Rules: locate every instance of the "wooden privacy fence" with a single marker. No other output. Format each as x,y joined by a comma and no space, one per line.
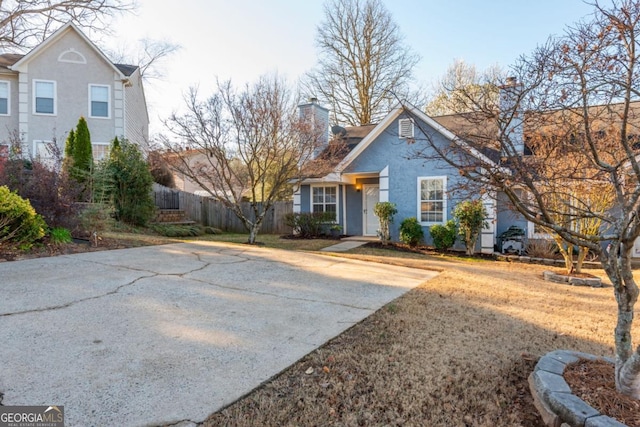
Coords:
210,212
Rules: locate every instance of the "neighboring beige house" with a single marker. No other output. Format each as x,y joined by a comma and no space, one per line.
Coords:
44,92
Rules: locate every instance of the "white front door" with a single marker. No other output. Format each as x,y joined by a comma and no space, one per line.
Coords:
370,222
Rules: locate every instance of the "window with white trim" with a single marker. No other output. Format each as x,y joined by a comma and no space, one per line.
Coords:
43,149
100,150
44,97
99,96
432,200
325,199
405,128
4,98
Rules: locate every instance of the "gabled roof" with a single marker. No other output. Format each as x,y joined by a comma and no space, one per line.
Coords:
415,112
69,26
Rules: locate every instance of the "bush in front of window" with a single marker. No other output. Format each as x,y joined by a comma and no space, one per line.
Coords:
308,224
411,231
471,216
444,236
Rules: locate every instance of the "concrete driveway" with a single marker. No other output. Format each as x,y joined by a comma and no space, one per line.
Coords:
162,334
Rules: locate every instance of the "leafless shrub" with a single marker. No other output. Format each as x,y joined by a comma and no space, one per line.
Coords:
540,248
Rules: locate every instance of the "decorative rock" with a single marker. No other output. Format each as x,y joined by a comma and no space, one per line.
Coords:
525,259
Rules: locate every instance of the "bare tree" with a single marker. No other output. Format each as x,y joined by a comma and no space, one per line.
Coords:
239,145
578,95
363,62
462,87
147,54
25,23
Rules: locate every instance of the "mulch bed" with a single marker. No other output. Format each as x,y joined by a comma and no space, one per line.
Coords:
593,382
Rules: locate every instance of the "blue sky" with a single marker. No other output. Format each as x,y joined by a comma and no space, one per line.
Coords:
243,39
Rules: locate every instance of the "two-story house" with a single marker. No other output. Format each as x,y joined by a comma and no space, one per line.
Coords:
44,92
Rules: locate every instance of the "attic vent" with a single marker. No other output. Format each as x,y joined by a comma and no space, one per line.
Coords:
405,128
72,56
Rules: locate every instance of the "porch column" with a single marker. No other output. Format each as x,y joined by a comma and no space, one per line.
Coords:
296,201
488,234
384,184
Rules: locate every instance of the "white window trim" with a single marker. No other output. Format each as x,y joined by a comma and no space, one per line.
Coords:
35,152
55,97
311,187
402,135
105,144
8,98
445,213
108,116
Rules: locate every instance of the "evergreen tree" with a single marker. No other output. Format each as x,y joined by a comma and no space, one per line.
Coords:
82,153
131,183
69,147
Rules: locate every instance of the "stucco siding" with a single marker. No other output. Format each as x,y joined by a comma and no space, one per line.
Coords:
72,80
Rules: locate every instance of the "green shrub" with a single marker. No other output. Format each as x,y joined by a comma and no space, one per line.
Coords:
60,235
174,230
96,217
212,230
411,231
385,212
471,216
444,236
308,224
130,183
19,222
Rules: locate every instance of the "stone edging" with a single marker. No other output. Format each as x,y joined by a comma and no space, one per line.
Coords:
552,395
594,282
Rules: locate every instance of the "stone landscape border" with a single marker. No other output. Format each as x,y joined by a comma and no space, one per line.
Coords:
553,398
594,282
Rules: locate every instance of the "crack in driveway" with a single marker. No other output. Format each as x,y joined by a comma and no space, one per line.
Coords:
71,303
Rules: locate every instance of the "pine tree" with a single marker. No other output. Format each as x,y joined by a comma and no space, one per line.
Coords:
69,147
82,154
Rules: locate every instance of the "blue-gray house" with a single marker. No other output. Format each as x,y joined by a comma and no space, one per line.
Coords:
380,165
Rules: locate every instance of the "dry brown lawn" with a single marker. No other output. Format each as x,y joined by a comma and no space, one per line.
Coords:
455,351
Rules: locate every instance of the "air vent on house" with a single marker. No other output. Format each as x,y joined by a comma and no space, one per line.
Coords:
405,128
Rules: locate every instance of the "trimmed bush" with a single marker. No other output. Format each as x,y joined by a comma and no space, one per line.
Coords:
19,222
308,224
173,230
385,212
411,231
471,216
444,236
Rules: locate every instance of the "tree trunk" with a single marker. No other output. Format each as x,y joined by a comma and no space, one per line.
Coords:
617,264
582,254
253,232
567,253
